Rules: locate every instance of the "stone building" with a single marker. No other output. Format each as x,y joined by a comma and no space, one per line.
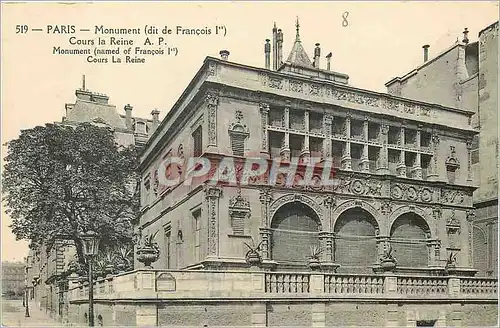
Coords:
46,263
402,180
466,76
13,274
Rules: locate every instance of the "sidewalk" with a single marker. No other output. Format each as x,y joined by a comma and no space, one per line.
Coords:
13,316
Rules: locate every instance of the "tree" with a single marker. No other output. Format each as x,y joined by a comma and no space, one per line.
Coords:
60,181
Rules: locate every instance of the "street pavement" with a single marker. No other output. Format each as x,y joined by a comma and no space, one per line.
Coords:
13,315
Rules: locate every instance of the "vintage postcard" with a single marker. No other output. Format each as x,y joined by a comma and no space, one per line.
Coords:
249,164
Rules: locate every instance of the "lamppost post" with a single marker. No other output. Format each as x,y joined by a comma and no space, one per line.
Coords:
26,301
90,245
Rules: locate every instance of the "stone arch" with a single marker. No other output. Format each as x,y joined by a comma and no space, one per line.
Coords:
410,235
290,198
295,228
355,244
347,205
480,249
405,209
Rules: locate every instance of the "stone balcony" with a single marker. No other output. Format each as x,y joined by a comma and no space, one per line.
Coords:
162,284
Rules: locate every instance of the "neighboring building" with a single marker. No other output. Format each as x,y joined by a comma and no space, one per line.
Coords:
47,263
404,180
466,76
13,278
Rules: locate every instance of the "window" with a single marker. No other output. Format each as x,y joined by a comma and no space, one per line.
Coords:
168,234
197,142
238,143
197,232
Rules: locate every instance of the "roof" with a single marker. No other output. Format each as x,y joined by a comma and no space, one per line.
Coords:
298,55
89,110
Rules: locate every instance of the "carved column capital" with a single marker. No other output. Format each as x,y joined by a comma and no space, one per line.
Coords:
212,98
212,191
264,107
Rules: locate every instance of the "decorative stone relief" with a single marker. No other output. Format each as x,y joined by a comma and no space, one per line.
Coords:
296,86
212,194
315,89
452,162
212,69
264,116
452,197
385,208
411,193
239,209
275,83
357,186
453,224
212,102
470,216
265,198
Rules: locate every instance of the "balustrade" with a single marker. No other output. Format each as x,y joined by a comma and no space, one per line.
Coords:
422,285
349,284
481,286
287,283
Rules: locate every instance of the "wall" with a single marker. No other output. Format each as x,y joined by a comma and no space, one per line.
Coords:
488,113
435,81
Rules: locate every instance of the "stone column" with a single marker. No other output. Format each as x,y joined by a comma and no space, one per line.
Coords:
365,162
326,244
212,195
469,161
285,148
434,170
417,168
327,144
346,156
470,216
264,119
212,101
265,199
401,168
305,152
383,165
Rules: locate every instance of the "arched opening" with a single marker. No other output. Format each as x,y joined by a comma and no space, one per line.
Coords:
355,242
480,250
295,227
409,234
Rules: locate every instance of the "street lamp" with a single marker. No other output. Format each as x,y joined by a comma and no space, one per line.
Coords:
90,242
26,302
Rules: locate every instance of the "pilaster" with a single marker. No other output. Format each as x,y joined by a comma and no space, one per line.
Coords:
264,122
212,100
383,167
212,195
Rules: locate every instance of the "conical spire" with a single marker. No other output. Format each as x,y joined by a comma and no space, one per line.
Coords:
298,55
297,27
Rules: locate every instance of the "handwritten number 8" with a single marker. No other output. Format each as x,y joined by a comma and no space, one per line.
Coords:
345,23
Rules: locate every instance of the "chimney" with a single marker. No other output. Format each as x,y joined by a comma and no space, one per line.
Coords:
279,51
128,116
426,52
275,47
156,120
328,59
466,36
224,54
267,54
317,54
